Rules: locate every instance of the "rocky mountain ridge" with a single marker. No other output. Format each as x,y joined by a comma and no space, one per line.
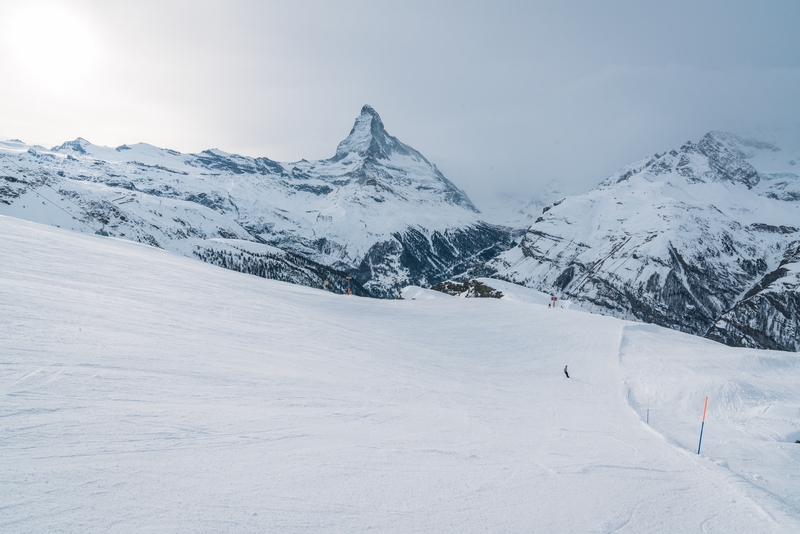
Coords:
767,315
377,210
681,239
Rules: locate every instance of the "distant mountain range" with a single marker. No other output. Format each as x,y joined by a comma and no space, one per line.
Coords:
704,238
377,211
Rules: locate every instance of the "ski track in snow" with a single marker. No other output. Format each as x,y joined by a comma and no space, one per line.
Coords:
147,391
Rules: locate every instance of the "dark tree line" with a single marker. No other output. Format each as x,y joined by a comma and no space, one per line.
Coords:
286,267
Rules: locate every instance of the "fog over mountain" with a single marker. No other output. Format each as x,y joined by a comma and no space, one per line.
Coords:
505,97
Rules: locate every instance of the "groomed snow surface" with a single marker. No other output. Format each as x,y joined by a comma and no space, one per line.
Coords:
145,391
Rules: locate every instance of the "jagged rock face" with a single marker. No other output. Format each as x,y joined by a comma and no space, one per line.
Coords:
717,157
769,314
369,139
377,210
423,258
676,239
469,289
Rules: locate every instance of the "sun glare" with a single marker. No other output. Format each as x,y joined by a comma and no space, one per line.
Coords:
52,44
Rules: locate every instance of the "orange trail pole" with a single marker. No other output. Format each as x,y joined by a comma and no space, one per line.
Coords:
702,424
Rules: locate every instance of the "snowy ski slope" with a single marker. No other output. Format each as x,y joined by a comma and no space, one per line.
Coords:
146,391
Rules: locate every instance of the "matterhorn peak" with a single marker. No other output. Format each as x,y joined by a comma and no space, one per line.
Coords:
366,109
369,138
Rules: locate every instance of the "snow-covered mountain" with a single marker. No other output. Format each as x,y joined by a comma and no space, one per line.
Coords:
377,209
702,239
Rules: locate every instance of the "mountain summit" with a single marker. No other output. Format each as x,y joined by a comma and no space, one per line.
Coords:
369,138
717,157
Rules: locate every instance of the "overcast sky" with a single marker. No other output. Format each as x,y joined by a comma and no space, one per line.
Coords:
502,96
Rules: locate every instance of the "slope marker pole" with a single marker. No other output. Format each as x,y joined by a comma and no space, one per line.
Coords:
648,411
702,424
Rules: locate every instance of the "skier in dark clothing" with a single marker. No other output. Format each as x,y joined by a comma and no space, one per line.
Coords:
565,371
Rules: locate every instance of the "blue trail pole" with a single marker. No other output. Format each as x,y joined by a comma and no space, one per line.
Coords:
702,425
701,436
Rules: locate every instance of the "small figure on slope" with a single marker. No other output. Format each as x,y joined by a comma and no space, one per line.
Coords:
565,371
